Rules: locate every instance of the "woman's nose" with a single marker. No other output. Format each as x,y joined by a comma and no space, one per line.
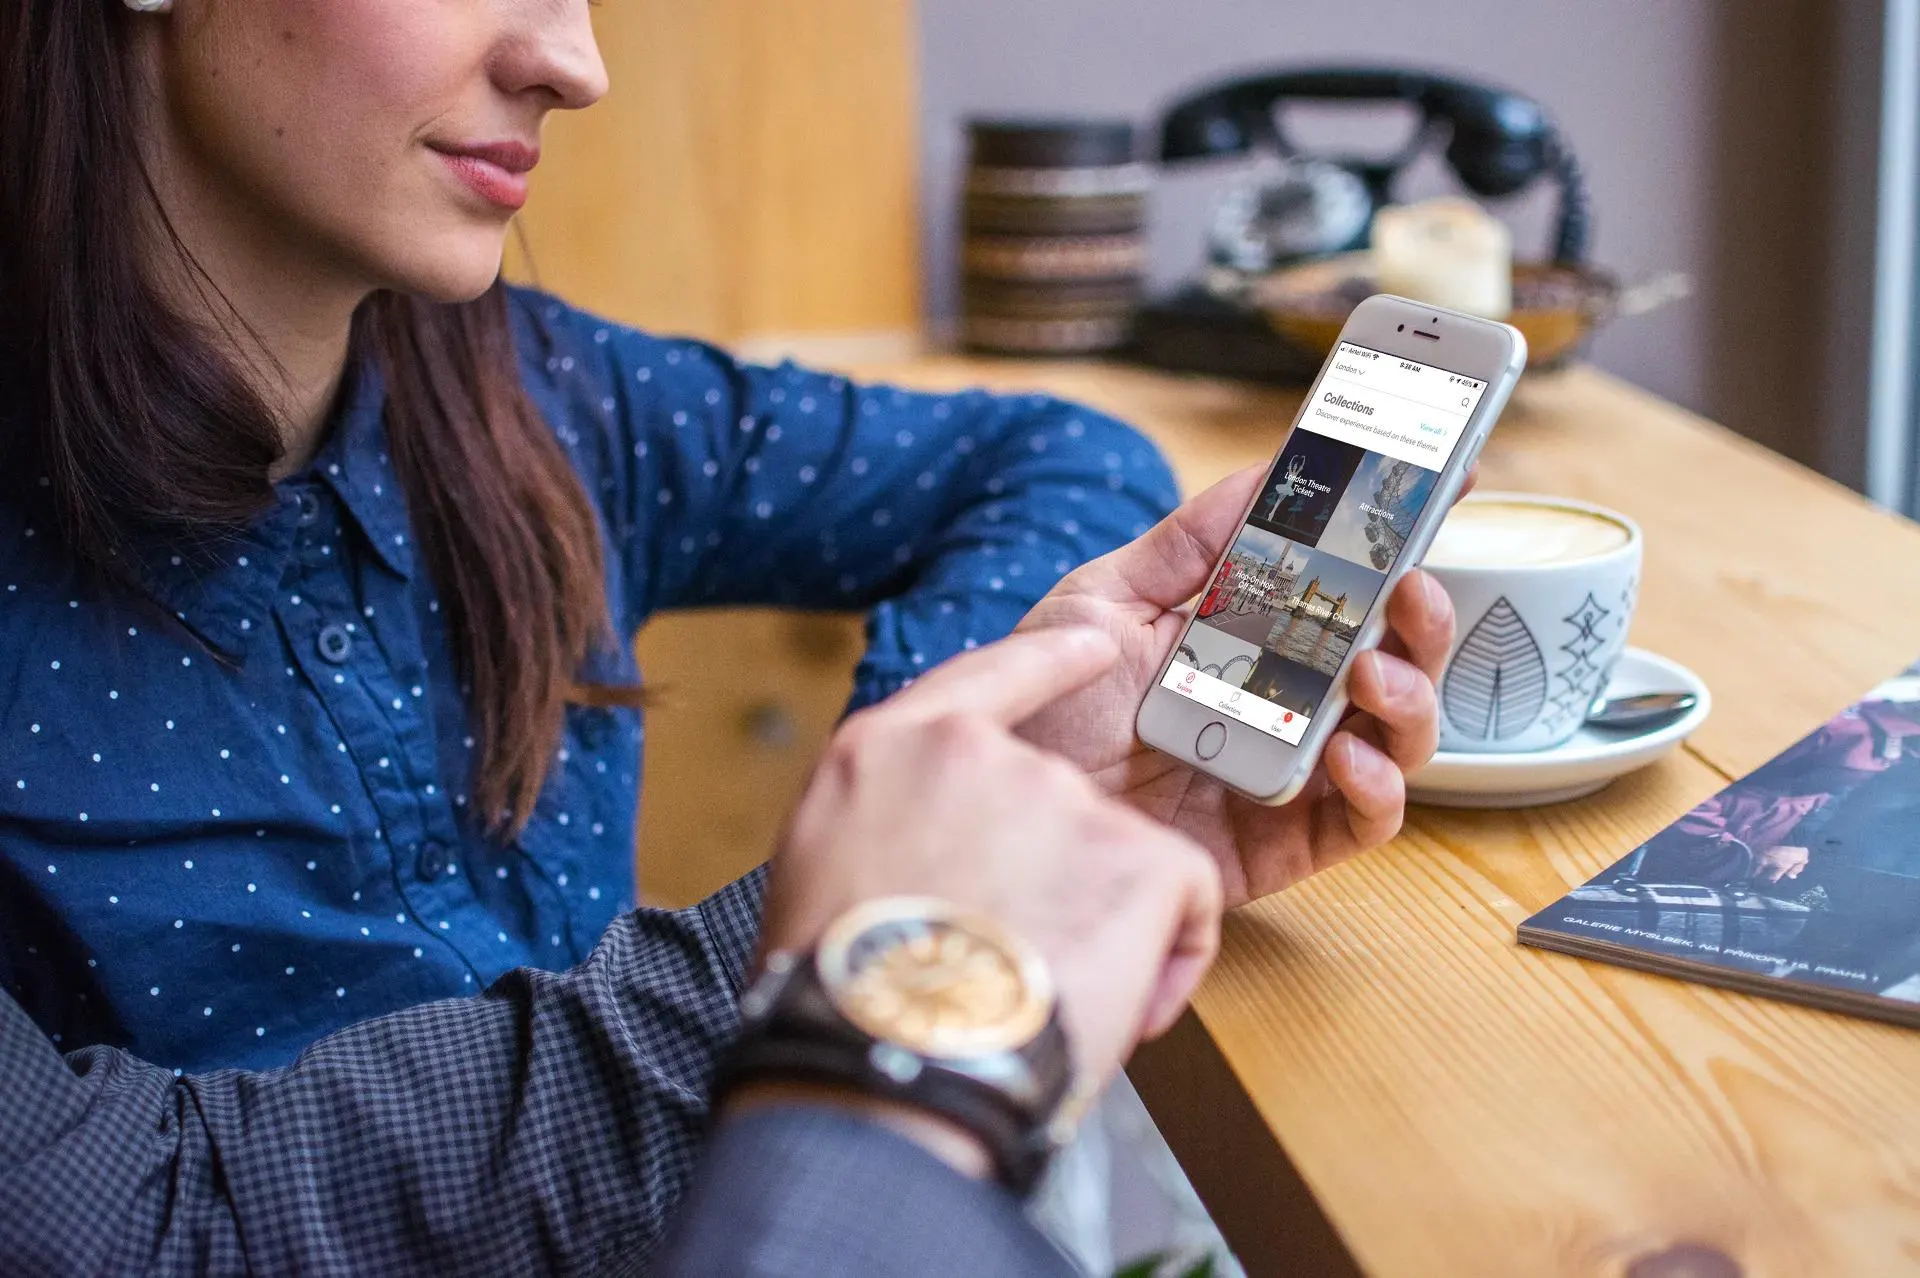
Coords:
554,49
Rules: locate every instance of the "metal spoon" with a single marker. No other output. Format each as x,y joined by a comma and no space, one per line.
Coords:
1641,711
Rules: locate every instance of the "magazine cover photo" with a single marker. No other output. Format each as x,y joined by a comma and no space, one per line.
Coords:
1806,872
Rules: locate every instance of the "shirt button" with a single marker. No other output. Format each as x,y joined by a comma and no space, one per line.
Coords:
432,863
309,507
334,643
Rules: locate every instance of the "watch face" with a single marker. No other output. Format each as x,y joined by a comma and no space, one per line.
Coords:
922,975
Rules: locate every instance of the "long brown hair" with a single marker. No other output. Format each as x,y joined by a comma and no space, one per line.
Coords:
141,426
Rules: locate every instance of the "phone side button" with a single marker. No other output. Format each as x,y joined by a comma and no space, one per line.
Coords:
1212,739
1473,458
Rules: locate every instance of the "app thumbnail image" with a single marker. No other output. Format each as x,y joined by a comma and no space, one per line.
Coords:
1288,684
1305,485
1257,573
1209,651
1375,516
1311,612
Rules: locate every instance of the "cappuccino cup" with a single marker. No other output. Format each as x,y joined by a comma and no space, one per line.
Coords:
1543,590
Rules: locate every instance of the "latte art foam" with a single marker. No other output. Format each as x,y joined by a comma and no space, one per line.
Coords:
1499,534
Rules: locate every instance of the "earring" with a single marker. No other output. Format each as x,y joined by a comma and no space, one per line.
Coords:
148,6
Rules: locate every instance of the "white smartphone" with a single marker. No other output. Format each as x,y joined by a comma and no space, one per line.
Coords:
1375,457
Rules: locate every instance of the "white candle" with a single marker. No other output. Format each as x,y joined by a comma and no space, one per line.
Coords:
1450,252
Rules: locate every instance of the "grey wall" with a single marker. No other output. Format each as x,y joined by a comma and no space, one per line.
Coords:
1705,127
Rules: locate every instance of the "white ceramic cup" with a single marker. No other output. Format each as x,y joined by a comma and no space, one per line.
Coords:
1543,590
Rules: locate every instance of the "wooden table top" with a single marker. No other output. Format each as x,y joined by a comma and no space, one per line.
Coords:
1377,1077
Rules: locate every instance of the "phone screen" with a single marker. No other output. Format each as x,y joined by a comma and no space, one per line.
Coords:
1277,621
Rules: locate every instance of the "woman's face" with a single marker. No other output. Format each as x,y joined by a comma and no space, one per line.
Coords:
379,143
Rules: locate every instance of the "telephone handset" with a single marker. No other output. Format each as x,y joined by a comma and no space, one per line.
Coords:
1497,142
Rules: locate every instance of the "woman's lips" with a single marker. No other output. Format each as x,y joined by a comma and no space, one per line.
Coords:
496,172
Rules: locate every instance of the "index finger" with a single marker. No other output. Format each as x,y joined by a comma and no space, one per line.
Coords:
1012,680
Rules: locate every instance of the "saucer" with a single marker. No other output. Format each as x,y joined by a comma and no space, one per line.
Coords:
1593,757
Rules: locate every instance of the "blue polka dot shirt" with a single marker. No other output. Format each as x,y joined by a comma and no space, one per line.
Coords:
236,821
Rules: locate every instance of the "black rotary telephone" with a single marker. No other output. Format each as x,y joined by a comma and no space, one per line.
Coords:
1497,142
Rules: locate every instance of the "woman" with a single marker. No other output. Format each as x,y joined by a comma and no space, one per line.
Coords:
342,767
322,549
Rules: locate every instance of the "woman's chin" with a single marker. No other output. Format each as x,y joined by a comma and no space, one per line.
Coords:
450,271
460,287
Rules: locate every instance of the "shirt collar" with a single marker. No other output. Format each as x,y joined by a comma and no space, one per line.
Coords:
223,589
355,464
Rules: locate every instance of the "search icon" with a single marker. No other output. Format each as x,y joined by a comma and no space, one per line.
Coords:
1465,402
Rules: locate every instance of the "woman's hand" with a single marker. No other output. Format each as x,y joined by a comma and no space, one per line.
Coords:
930,794
1357,794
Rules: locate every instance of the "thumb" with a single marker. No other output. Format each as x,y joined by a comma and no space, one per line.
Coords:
1168,565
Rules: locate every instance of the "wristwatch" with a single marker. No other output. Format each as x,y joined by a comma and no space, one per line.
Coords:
913,1000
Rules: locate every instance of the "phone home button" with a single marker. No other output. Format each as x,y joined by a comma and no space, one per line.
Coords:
1212,739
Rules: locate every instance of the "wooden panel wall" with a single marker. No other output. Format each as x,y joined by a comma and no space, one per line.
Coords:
751,172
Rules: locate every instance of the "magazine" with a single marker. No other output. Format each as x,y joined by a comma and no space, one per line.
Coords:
1800,881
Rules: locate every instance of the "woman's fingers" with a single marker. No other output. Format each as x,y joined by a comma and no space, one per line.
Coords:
1374,790
1395,685
1420,620
1399,698
1169,563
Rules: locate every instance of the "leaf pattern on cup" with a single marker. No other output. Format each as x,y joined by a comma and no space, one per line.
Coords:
1496,684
